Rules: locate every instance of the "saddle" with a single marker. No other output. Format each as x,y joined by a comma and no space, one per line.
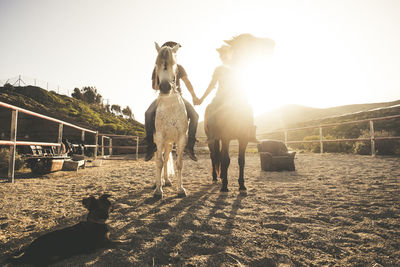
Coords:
232,119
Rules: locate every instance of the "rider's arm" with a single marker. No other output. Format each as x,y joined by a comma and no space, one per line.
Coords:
211,86
189,86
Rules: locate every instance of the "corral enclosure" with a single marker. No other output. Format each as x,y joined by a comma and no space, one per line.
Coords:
334,210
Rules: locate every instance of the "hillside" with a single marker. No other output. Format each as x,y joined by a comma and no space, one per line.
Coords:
292,116
296,117
67,109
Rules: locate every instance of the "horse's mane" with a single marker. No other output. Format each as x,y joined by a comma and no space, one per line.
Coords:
247,40
165,56
246,47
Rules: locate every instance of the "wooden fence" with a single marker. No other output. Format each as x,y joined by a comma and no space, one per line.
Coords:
321,140
13,142
116,136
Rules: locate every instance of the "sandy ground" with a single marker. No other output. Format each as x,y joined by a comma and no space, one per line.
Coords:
334,210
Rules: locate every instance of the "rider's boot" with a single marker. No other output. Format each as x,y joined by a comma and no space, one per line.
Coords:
151,148
189,149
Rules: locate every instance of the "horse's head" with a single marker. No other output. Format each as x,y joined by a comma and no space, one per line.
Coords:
166,68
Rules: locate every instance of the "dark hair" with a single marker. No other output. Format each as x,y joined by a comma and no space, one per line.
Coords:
171,44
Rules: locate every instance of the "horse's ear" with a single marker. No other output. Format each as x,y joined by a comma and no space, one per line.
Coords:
175,48
157,47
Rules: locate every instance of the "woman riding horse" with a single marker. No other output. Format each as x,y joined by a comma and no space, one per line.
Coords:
228,117
171,123
191,112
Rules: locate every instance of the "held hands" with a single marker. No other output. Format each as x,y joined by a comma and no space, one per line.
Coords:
196,101
201,100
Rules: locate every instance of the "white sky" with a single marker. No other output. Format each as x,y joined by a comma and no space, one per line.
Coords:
328,53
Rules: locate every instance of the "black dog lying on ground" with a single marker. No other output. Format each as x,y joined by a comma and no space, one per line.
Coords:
83,237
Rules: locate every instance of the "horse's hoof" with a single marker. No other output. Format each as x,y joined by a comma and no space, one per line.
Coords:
158,195
242,188
182,195
224,190
168,183
181,192
153,187
155,196
243,192
215,181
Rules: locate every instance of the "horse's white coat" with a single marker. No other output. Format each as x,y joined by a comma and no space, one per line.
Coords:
171,125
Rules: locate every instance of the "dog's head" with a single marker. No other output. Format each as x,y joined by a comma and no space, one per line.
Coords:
99,209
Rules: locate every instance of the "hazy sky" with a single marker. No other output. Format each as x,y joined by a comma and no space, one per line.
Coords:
328,53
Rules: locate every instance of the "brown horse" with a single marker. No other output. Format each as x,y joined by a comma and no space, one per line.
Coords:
222,123
229,117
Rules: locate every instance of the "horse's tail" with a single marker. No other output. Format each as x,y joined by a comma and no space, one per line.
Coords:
170,167
171,172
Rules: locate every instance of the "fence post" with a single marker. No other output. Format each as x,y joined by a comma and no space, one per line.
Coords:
96,144
137,147
321,143
371,131
102,145
60,134
13,135
110,148
83,142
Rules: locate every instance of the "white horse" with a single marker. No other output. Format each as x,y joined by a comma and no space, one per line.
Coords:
171,123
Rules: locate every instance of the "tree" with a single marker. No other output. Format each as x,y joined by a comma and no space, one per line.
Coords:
116,108
89,94
107,107
9,87
127,112
77,94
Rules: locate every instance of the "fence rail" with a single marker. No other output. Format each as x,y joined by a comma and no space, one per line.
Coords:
13,143
321,140
116,136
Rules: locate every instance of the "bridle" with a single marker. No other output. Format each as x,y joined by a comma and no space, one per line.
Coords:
173,83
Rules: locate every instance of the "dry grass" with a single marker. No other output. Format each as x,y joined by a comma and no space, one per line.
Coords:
335,210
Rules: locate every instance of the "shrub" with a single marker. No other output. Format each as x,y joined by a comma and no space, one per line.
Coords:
337,147
387,147
313,147
362,148
9,87
109,128
5,158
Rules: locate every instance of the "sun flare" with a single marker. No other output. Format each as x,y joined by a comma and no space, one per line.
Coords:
261,88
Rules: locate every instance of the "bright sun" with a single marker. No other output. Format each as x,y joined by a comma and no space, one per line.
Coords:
263,93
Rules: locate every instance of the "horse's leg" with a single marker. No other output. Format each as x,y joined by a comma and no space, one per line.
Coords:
225,161
241,159
215,159
179,165
158,192
217,147
167,164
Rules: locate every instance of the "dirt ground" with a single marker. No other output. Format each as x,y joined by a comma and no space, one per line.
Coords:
334,210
